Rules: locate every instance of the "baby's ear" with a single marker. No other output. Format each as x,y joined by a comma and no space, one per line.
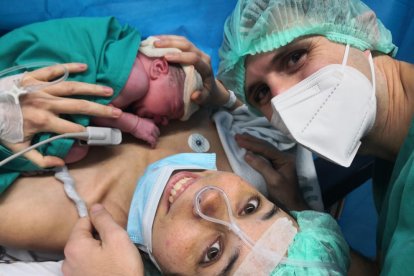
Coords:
159,66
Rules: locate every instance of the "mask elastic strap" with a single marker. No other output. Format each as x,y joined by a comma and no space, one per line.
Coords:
371,66
346,54
232,225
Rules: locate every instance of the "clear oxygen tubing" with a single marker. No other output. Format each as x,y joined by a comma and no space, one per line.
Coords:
32,88
65,135
100,136
232,225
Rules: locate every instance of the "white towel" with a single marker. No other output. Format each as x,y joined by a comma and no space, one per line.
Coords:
192,82
32,268
241,120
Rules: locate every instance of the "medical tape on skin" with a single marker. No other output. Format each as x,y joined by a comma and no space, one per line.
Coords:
269,250
11,117
69,186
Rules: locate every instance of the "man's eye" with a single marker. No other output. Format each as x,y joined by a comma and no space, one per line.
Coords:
296,59
261,95
212,253
251,206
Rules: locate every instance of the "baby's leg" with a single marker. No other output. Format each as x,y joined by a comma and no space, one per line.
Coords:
76,153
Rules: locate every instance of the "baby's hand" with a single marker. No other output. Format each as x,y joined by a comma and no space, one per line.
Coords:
146,130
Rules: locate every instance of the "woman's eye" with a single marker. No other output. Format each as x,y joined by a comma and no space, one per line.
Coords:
251,206
212,253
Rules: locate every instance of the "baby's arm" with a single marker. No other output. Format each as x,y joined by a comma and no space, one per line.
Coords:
141,128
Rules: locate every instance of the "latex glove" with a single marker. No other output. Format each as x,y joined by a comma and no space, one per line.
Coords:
277,168
213,93
112,254
41,109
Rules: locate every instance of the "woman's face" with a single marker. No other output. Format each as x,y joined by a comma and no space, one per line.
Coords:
272,73
186,244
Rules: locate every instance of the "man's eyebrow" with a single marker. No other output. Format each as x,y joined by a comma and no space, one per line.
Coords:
270,214
277,55
226,270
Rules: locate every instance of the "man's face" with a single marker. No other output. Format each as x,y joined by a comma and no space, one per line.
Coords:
272,73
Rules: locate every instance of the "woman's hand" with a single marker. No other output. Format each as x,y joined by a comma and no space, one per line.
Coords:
280,174
112,254
41,109
214,93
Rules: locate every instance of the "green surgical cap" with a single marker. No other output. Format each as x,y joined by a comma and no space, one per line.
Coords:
258,26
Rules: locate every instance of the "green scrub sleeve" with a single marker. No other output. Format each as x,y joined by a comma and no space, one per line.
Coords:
394,200
107,47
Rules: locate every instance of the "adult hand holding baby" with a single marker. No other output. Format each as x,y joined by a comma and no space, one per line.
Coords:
41,109
213,93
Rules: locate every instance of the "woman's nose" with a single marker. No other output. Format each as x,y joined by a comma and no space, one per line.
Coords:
213,205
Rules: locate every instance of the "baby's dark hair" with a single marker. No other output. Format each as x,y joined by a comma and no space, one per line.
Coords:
177,74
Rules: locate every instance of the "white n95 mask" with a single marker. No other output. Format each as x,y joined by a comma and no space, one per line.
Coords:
328,112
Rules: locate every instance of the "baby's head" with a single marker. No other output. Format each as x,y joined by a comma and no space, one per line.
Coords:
169,97
163,100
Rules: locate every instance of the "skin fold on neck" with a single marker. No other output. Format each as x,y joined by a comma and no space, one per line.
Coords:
395,107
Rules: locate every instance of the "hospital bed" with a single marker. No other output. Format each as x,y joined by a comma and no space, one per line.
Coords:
201,21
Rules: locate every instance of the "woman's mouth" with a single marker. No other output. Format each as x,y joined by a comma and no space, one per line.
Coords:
178,184
178,188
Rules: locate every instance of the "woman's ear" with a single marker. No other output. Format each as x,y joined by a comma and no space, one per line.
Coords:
159,67
367,52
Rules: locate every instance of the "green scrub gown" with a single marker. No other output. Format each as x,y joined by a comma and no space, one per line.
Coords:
394,196
108,48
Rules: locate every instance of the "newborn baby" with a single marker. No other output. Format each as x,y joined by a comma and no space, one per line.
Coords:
149,90
156,92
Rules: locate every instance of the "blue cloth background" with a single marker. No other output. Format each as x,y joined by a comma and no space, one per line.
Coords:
200,20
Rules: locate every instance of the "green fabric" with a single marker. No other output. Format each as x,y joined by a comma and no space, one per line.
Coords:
258,26
108,48
395,239
318,241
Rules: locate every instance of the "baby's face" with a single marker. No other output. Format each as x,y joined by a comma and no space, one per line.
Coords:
163,101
